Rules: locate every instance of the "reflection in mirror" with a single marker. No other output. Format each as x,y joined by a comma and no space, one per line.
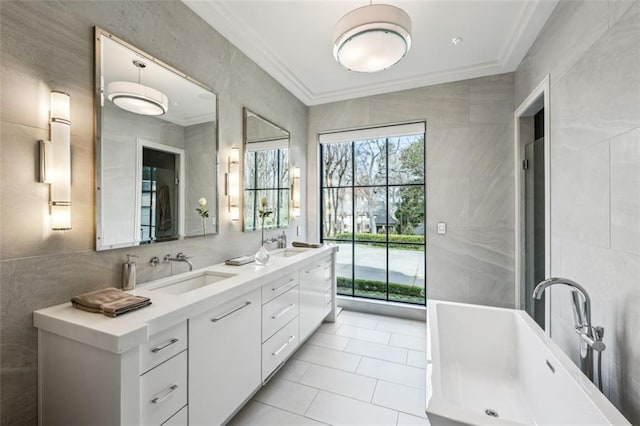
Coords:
266,173
156,148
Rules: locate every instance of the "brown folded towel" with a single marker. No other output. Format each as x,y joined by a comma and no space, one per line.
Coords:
305,244
109,301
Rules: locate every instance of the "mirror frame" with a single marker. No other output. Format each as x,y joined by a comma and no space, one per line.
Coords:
98,96
245,112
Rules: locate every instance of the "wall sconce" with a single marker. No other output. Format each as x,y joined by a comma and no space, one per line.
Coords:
232,183
295,191
55,161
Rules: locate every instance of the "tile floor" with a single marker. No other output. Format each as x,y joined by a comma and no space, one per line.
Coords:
364,369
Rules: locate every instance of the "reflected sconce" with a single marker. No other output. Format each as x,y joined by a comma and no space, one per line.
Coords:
55,161
232,183
295,191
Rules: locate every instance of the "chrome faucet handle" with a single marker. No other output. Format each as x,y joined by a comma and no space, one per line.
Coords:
155,261
182,256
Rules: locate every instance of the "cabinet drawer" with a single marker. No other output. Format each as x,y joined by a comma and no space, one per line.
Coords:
278,348
162,346
328,301
278,286
179,419
163,390
279,311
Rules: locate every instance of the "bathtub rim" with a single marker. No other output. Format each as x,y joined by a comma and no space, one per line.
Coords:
438,406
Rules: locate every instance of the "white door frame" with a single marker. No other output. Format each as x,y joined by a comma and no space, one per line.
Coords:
537,99
140,145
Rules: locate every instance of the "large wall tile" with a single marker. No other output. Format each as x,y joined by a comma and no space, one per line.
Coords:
573,27
491,201
599,97
617,9
491,99
448,201
580,195
625,192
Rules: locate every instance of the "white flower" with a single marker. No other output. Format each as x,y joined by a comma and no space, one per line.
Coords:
202,201
263,201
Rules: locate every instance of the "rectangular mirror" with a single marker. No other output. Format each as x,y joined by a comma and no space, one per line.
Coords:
266,173
156,149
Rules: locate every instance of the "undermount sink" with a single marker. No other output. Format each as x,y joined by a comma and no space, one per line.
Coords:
191,282
288,252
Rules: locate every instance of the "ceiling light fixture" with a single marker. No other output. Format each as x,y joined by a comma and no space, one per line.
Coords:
136,97
372,38
455,41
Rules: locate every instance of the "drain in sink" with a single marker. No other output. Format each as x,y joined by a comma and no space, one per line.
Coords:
490,412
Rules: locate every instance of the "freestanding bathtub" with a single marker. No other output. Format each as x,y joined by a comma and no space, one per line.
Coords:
494,366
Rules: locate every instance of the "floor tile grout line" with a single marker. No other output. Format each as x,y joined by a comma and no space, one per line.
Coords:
374,391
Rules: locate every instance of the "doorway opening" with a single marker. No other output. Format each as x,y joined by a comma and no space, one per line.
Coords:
532,172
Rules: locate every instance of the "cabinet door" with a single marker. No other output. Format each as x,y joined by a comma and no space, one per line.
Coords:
313,279
224,359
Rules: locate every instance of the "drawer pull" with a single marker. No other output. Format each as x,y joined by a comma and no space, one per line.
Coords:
168,393
283,285
281,348
165,346
313,269
284,311
231,312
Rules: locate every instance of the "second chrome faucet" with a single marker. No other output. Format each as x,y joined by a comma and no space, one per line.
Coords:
180,257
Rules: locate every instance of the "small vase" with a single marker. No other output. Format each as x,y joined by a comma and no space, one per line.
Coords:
262,256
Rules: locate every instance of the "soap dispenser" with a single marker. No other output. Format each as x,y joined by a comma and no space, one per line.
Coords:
129,273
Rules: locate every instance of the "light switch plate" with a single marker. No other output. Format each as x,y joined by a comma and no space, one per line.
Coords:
298,230
442,228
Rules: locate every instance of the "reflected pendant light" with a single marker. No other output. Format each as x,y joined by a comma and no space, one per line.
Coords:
372,38
136,97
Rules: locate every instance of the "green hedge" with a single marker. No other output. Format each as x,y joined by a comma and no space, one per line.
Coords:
381,287
393,238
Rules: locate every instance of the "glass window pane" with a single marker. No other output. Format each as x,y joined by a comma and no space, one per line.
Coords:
249,210
250,170
406,274
267,169
283,209
337,216
407,208
370,160
269,219
371,213
337,165
284,168
344,268
406,160
370,270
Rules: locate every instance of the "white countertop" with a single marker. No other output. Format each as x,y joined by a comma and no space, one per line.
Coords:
134,328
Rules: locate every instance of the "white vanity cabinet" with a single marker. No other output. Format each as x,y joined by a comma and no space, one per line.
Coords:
224,359
80,384
193,358
316,285
280,326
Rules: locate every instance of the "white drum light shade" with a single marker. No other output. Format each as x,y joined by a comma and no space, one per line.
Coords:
372,38
137,98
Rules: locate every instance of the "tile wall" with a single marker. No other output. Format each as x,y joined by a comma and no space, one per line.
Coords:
49,45
470,183
591,50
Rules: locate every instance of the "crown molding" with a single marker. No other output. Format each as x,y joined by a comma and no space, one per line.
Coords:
523,32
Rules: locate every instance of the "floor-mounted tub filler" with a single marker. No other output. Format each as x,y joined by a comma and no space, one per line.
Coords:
496,366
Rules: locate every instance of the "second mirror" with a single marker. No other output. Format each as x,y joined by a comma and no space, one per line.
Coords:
266,174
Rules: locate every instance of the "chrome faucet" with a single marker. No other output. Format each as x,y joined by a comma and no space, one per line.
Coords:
282,240
590,336
180,257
